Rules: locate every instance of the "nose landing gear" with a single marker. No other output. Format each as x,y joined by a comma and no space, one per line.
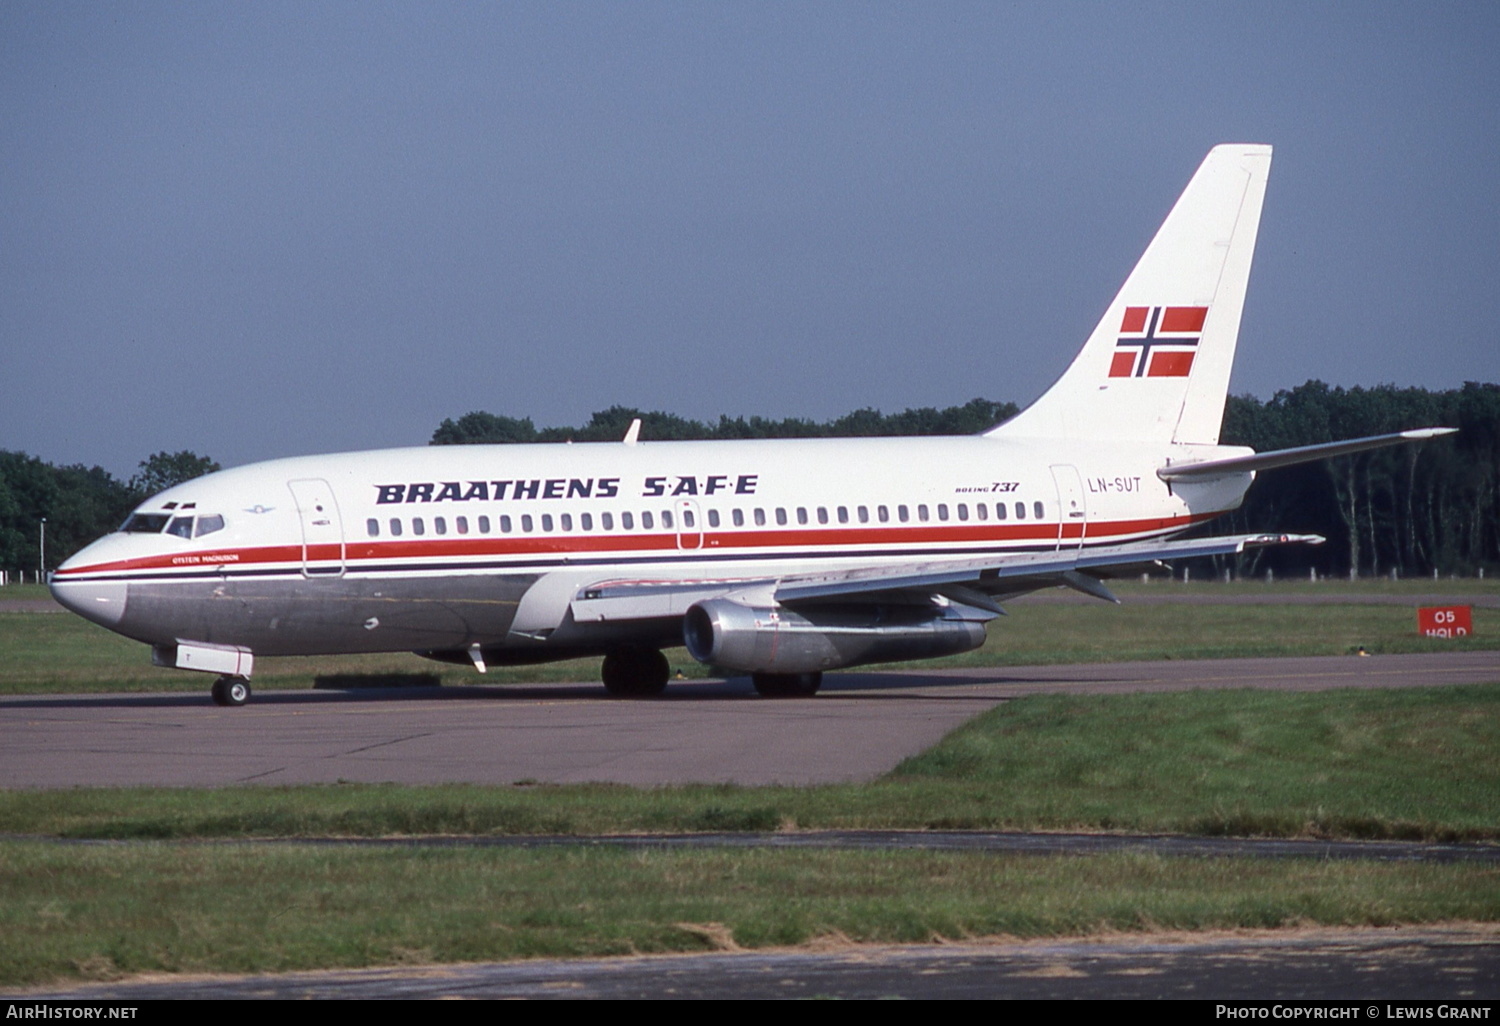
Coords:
231,691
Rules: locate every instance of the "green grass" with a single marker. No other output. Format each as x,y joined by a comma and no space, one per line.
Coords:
101,912
58,653
48,653
1414,763
1301,585
1410,762
1399,763
1097,632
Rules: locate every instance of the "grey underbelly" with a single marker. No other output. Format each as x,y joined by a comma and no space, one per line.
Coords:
321,616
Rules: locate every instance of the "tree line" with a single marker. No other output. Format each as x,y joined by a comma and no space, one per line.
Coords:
610,425
1410,509
79,503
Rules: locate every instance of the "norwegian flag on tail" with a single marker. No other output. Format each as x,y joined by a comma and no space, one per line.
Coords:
1157,341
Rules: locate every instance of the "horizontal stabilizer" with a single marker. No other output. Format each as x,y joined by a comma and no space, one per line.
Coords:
1301,454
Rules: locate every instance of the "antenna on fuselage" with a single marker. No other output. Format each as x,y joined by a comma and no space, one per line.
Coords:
633,433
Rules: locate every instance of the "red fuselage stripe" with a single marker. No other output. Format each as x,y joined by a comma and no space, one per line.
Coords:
838,540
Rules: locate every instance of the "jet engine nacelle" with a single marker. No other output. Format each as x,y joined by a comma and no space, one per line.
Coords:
777,639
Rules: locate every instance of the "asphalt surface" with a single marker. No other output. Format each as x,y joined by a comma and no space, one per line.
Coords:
993,842
1366,968
858,727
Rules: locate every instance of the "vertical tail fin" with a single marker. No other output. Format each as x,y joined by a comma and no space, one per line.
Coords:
1157,366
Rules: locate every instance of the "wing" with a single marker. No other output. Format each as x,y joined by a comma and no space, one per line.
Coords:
980,582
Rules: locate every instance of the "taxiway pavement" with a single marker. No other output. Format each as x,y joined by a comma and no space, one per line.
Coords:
858,727
1361,967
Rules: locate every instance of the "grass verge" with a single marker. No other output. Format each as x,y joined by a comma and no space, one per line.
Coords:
1418,763
54,653
102,912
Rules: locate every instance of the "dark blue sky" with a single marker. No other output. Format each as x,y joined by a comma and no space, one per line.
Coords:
256,230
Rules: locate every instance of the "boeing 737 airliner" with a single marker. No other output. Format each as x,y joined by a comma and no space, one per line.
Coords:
780,559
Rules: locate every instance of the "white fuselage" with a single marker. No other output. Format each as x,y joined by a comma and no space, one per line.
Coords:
443,548
780,558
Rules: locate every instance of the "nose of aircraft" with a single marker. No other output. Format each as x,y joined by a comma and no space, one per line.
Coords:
100,601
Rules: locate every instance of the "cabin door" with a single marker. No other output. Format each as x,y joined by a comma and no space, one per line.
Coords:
1072,519
322,530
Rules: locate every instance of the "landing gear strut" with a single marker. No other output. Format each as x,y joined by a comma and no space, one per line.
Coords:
231,691
635,672
787,685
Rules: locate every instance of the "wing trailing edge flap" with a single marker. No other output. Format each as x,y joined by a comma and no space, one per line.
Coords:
976,583
1015,575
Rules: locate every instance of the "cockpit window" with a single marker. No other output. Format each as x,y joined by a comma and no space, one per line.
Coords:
182,527
144,523
208,525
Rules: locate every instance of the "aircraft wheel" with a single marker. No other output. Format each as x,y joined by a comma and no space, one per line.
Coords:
787,685
231,691
635,672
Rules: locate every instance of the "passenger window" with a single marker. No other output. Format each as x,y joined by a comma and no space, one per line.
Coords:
979,508
902,514
395,527
607,520
713,518
586,520
627,521
760,517
505,524
462,524
484,525
182,527
666,518
417,526
372,528
863,513
647,523
211,523
1039,510
822,514
687,518
566,521
999,511
1020,511
942,511
440,525
781,516
526,525
883,514
922,511
547,523
802,514
739,517
963,511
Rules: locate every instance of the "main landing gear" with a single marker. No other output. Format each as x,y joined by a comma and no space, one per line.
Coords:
232,691
787,685
635,672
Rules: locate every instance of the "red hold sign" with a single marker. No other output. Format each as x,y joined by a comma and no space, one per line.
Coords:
1445,621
